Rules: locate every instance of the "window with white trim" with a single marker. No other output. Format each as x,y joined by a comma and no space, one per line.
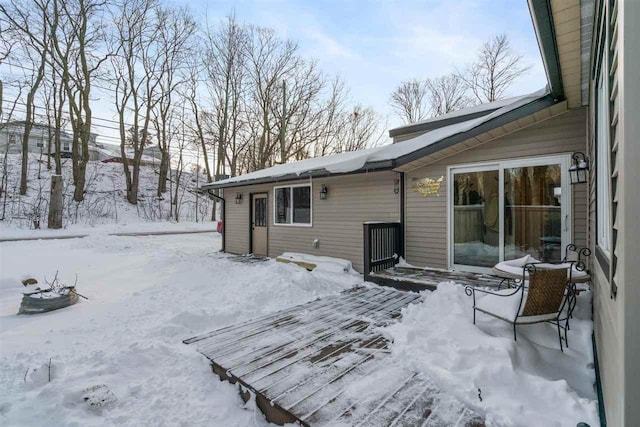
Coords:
292,205
603,197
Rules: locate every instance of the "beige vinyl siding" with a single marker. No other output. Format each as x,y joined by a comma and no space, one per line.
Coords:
616,318
426,217
337,222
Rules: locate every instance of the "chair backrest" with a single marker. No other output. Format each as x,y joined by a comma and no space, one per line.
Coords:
574,253
546,292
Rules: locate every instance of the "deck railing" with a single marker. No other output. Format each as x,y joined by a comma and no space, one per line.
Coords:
382,246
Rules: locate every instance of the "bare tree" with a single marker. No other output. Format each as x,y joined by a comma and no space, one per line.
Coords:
54,106
446,94
410,100
137,88
361,130
269,60
199,128
176,28
5,118
496,68
27,20
226,62
78,32
299,111
334,114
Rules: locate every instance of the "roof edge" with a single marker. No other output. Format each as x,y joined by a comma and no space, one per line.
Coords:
542,18
369,167
374,166
436,124
508,117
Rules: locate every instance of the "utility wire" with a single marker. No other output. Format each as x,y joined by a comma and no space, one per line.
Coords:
109,137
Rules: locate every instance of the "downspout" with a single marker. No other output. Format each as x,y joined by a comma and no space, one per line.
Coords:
222,214
402,213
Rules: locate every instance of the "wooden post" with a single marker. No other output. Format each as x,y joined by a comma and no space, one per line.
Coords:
55,202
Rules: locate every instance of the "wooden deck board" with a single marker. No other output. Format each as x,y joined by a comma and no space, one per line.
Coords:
325,363
419,279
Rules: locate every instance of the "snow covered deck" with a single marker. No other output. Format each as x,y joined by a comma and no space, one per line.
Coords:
325,363
419,279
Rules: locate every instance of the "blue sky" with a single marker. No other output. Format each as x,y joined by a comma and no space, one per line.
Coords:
374,45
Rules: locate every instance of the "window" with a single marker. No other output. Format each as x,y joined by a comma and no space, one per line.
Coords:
13,138
603,199
65,147
292,205
40,143
260,212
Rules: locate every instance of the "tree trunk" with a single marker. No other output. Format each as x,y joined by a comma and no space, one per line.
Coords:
55,203
78,194
164,170
177,189
132,193
25,152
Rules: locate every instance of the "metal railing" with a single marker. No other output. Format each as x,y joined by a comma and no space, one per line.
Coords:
383,246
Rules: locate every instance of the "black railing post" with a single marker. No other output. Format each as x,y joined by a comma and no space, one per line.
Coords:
367,251
382,246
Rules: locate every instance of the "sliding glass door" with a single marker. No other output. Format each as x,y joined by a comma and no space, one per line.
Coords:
507,210
476,216
532,212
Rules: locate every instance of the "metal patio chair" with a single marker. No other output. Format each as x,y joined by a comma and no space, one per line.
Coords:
541,296
578,256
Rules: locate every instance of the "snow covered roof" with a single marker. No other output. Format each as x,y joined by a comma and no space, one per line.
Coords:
391,156
452,117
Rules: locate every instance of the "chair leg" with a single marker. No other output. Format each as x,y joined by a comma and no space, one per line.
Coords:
559,336
474,315
515,337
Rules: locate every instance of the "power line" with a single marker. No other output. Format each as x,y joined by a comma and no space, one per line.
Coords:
117,139
93,84
10,64
67,117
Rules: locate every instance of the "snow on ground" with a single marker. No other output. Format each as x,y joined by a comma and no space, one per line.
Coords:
8,231
146,294
524,383
322,263
105,197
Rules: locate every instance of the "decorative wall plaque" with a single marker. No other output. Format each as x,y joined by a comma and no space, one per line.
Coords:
427,186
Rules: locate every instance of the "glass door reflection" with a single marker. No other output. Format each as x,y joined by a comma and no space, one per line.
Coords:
476,218
532,212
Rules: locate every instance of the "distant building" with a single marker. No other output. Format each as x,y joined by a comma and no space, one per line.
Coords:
12,132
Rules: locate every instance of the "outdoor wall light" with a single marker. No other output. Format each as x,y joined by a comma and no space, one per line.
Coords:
324,191
238,198
578,171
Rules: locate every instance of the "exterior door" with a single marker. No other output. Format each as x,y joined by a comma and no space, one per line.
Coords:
259,224
507,210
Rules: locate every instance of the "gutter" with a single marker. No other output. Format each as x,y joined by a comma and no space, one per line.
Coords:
369,167
542,18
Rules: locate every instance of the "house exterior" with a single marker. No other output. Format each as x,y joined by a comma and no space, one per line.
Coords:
11,135
478,186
